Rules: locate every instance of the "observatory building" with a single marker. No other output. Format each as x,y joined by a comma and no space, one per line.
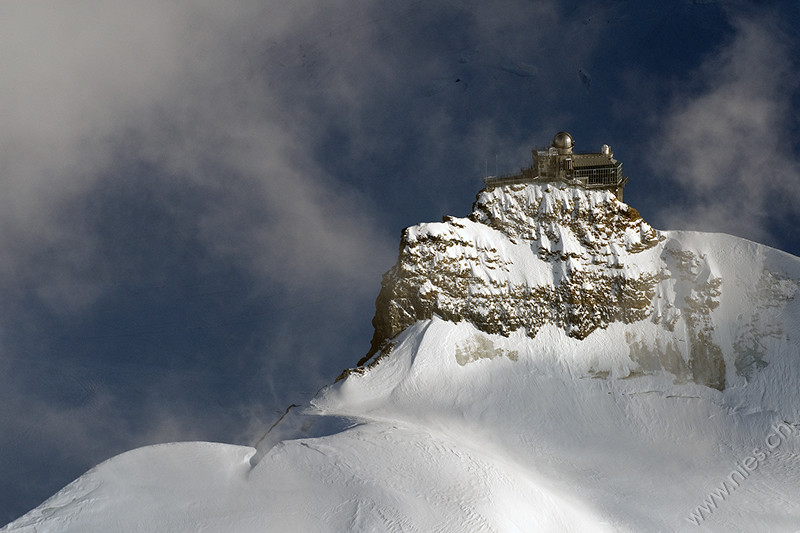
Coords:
558,163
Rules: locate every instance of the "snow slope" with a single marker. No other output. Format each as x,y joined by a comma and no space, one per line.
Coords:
453,428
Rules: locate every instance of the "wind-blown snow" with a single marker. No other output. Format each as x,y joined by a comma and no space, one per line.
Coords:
457,429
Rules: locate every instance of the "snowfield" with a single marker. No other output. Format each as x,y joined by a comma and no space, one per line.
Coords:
460,430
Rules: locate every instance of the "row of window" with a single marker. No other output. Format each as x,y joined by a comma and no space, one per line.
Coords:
599,176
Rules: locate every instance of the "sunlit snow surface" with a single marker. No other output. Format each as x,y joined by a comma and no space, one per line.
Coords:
458,430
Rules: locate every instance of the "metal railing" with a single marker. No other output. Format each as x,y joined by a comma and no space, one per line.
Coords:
523,176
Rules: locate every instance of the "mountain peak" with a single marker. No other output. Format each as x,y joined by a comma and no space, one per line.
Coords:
534,255
527,255
562,221
550,359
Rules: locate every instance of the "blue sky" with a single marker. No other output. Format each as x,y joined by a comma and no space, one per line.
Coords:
199,200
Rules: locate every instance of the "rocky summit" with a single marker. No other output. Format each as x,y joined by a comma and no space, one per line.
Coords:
535,254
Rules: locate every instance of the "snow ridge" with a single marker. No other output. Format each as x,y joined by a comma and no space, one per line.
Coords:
549,363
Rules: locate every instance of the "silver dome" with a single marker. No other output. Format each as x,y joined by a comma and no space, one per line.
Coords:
564,142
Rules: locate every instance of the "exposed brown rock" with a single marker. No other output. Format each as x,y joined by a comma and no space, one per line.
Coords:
442,273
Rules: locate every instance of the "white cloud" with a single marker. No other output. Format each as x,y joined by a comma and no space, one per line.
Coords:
726,138
95,94
90,85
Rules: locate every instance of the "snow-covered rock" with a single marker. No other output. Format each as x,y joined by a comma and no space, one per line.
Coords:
535,255
549,363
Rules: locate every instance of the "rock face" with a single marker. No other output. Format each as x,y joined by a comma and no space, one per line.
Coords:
527,255
545,254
